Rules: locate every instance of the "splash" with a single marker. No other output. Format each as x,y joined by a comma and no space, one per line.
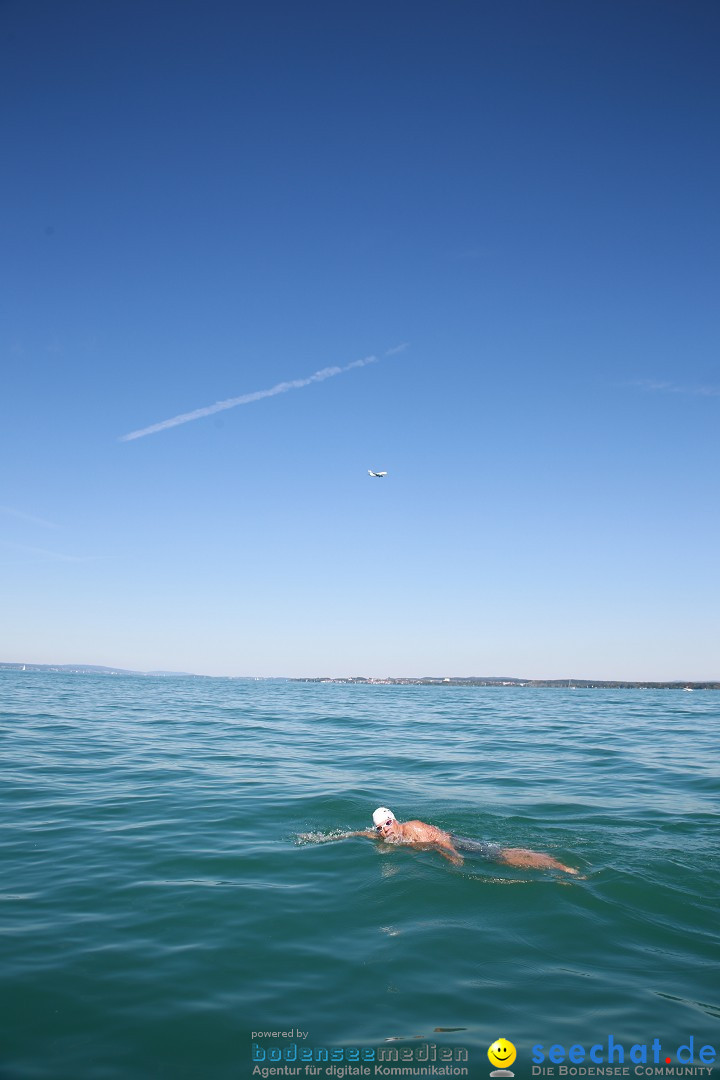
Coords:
322,837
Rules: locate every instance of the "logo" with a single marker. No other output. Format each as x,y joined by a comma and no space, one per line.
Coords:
501,1054
642,1059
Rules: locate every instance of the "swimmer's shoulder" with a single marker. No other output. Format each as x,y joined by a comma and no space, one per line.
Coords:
422,831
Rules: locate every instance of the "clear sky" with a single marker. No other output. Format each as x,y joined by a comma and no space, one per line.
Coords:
511,207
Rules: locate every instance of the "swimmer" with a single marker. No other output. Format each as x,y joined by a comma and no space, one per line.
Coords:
417,833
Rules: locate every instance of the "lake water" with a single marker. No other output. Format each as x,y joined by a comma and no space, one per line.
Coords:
158,904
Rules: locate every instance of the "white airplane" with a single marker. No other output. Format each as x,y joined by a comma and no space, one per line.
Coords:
378,474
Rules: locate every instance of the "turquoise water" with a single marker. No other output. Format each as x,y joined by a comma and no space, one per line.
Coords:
158,903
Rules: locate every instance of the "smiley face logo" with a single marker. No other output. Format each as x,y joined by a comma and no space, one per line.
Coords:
502,1053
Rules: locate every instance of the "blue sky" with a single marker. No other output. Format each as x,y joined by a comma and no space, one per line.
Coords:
511,207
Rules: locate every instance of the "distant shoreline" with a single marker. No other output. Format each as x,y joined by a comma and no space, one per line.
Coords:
361,680
550,684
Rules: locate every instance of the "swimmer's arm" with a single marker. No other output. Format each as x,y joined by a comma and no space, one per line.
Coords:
449,852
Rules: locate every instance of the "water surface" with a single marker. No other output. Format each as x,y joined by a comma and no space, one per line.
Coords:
157,904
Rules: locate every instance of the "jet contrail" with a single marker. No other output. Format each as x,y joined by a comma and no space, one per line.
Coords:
245,399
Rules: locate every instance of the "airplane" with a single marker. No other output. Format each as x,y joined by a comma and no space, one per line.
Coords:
378,474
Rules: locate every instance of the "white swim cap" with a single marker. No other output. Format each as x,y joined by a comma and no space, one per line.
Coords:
382,814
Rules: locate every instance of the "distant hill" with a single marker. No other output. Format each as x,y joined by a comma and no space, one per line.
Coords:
94,669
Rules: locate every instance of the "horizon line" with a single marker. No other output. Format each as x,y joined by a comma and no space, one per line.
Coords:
506,680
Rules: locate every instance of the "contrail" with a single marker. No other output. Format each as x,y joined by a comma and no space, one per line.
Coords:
245,399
